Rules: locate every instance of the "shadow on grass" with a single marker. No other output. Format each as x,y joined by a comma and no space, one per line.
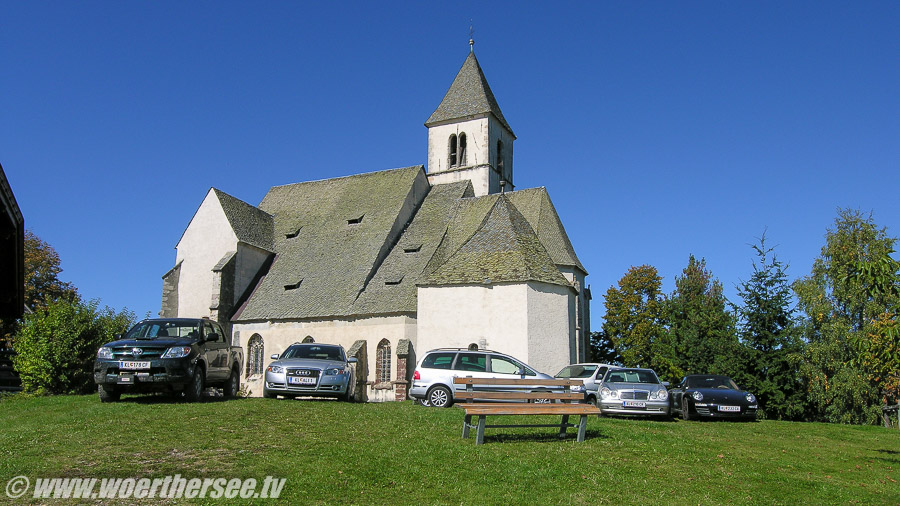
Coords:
170,398
540,437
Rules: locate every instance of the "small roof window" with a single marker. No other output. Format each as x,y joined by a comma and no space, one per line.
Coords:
355,221
293,286
291,235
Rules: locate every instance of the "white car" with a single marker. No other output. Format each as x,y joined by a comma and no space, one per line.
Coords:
590,373
433,377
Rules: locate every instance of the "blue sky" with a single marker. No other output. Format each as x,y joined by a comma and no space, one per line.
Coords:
660,129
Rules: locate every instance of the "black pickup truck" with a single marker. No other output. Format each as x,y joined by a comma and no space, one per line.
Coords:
182,356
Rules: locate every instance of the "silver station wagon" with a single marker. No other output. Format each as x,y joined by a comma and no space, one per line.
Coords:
633,391
310,369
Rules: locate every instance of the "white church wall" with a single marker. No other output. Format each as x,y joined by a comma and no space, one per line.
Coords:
277,336
205,241
249,260
551,329
492,316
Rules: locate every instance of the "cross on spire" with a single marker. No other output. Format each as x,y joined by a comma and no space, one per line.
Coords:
471,37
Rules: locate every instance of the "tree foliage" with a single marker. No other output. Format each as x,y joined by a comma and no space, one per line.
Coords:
768,335
843,306
56,345
42,268
634,322
701,327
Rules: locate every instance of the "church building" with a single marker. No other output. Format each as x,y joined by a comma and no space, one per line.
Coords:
393,263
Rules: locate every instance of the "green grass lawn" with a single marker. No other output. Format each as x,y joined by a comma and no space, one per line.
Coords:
401,453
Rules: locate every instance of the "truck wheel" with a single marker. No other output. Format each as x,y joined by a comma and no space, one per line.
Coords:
194,390
108,394
233,385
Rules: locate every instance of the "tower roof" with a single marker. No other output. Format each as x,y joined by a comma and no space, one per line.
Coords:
469,95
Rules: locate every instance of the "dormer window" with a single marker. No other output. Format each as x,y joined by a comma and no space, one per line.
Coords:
355,221
293,286
412,249
393,281
291,235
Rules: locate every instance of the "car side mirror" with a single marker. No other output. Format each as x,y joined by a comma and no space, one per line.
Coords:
274,356
212,337
119,336
352,360
521,371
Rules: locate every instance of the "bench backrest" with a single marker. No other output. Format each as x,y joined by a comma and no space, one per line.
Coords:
520,389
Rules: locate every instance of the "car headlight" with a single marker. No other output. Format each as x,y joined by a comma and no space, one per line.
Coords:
177,352
335,371
104,353
608,393
660,394
277,369
751,398
697,396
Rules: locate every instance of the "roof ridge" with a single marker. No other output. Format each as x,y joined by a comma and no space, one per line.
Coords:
349,176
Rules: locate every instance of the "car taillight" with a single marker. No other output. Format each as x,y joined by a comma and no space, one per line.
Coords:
416,375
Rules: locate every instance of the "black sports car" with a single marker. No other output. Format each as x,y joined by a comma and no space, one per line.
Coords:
711,395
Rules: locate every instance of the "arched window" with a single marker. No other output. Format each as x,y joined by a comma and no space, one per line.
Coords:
462,149
383,362
500,158
453,159
309,339
473,347
255,355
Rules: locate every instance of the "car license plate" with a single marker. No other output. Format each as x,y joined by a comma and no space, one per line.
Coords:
293,380
134,365
634,404
730,409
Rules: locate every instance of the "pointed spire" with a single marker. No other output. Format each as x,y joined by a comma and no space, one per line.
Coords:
469,95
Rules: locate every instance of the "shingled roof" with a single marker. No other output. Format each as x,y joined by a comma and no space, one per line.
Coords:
503,248
330,235
250,224
469,95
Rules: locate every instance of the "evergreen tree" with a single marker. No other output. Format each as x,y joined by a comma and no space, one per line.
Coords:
701,328
768,334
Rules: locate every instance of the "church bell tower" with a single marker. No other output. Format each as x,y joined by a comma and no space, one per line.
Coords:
468,137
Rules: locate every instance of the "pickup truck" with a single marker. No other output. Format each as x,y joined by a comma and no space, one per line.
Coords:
182,356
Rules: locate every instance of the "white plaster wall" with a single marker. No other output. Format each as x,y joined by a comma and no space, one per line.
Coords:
457,316
248,262
277,336
480,177
532,322
205,241
477,146
551,327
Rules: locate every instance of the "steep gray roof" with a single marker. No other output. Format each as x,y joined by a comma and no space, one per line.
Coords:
393,288
502,248
329,237
250,224
469,95
535,205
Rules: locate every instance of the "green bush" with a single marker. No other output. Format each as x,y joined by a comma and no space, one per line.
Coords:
55,346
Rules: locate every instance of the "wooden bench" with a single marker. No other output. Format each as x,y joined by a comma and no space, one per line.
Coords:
522,390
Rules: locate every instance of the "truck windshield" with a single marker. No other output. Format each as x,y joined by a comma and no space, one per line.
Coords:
163,329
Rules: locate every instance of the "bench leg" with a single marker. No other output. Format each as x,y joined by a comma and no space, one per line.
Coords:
563,426
582,427
466,422
479,434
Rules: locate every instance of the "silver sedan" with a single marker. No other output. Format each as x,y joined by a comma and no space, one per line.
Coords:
633,391
310,369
